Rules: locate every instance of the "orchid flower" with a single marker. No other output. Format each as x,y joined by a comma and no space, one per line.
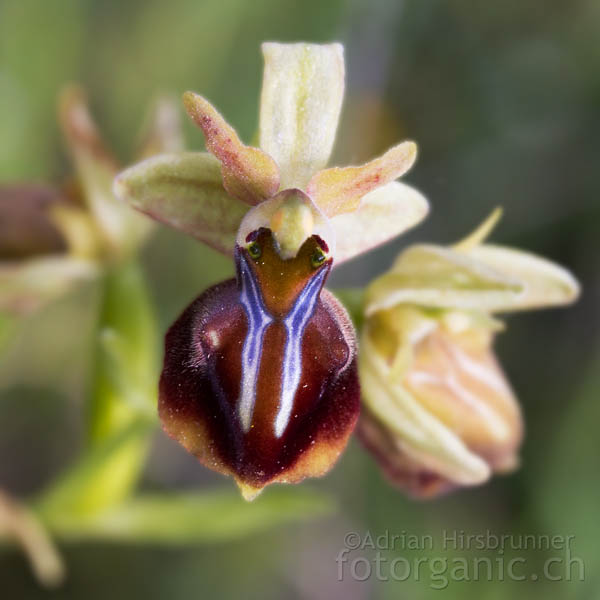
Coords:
52,236
260,379
438,412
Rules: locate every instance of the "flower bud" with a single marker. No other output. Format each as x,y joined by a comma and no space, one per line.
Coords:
440,413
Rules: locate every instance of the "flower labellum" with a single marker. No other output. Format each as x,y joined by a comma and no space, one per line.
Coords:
269,389
259,380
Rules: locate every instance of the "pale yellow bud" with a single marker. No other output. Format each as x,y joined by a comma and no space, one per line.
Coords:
439,412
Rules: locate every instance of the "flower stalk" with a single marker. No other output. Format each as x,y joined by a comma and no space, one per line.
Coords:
124,381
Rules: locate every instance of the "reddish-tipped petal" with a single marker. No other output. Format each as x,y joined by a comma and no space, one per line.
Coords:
259,379
340,189
398,467
249,174
81,134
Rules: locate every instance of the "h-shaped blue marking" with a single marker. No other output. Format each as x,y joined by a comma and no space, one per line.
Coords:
259,319
295,324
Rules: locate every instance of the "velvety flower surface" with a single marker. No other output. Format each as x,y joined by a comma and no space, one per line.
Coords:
270,389
438,412
259,380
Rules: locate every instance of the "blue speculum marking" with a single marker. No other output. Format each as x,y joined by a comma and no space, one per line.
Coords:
295,323
259,319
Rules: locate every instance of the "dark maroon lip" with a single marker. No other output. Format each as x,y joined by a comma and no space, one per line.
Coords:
207,357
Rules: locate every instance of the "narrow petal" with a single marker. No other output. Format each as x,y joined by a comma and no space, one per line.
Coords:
382,215
184,191
544,283
96,169
162,131
302,93
434,276
248,173
340,189
80,131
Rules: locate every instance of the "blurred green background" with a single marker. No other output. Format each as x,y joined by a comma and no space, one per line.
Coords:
503,99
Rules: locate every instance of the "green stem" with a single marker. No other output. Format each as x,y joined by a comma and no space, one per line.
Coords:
124,381
123,400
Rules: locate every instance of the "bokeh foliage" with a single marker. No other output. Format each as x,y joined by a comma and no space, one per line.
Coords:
503,100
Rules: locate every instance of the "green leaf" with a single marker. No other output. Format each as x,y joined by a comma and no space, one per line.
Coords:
85,488
193,517
125,383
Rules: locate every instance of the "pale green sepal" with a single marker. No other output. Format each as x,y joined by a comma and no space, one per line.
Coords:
185,191
302,92
26,286
436,277
382,215
544,282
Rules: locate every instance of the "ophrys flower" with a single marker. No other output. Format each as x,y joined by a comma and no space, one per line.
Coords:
259,379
